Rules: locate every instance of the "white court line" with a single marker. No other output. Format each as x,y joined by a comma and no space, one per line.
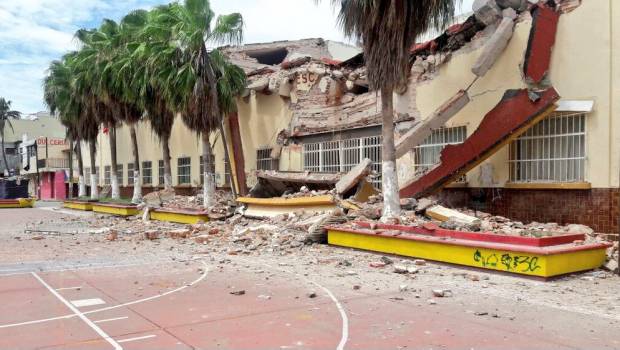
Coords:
87,302
66,288
137,338
204,274
112,319
72,268
77,312
343,314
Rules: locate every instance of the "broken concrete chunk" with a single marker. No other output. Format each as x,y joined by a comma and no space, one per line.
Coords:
445,214
238,292
509,13
494,47
442,293
486,11
421,131
517,5
259,85
612,265
354,176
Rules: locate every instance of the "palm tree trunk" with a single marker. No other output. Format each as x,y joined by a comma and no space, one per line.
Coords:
165,144
70,168
94,191
137,180
208,186
6,163
81,182
233,187
116,193
389,181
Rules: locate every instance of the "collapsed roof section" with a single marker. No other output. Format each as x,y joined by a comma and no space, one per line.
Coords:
326,82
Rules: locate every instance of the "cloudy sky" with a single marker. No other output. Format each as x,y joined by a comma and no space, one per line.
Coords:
34,32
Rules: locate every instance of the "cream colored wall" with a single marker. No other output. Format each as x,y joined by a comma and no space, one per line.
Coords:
580,70
183,143
261,118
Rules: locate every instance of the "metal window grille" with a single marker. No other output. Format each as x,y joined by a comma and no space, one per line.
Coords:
147,173
553,150
184,173
264,160
226,173
202,167
119,174
341,156
130,174
87,176
427,154
106,175
160,172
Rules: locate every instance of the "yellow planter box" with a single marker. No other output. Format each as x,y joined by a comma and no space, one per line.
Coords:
270,207
182,216
115,209
482,252
78,205
17,203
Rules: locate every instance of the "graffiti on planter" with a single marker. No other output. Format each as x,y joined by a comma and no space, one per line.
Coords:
507,261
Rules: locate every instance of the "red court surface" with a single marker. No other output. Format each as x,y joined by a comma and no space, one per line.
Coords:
189,306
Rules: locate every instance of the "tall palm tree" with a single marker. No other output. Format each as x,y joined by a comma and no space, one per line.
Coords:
191,85
93,80
57,95
387,29
119,76
6,114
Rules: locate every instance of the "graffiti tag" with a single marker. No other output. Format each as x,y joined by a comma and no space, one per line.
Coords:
508,262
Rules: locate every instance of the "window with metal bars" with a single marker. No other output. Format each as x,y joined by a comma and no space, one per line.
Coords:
106,175
202,167
147,173
342,155
130,174
264,160
184,170
553,150
427,154
119,174
160,172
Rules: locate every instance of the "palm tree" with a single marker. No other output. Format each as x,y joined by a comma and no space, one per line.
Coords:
6,114
93,79
189,80
119,81
387,29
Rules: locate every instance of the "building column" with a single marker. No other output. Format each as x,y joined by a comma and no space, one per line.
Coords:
237,151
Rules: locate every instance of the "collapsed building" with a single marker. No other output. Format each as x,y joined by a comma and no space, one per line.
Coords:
510,111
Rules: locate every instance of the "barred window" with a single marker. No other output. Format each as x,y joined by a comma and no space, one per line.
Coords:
553,150
119,174
106,175
202,167
147,173
264,160
226,173
87,176
184,173
341,156
160,172
130,174
427,154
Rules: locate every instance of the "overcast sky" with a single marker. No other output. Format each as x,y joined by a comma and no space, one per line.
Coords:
35,32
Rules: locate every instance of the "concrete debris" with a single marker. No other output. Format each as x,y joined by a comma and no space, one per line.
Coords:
487,11
238,292
422,130
442,293
494,46
353,177
440,213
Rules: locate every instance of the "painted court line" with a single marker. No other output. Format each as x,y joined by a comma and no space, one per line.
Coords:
77,312
343,314
112,319
67,288
87,302
136,338
203,276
